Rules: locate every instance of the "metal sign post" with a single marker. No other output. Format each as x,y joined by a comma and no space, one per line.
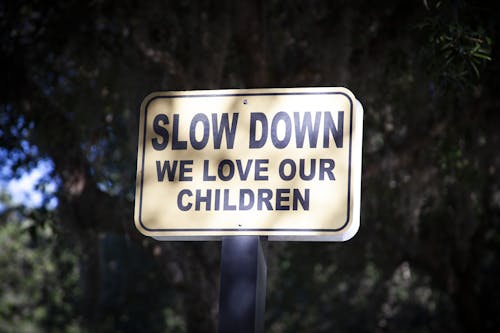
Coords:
242,285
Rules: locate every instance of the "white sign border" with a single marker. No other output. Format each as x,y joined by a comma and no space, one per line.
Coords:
351,225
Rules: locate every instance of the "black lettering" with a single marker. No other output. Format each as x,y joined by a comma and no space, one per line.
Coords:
176,144
227,205
207,199
254,118
184,168
293,169
217,199
300,130
277,142
282,197
222,167
245,192
260,167
224,127
326,167
312,169
206,176
297,197
170,169
243,173
180,204
203,120
264,197
337,132
161,131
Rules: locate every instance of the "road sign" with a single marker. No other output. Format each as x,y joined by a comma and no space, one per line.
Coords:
282,163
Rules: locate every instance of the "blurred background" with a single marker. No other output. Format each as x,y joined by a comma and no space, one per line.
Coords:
73,75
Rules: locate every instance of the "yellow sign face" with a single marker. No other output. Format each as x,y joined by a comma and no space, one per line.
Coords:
282,163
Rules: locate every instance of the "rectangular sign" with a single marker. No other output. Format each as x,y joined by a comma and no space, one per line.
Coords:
283,163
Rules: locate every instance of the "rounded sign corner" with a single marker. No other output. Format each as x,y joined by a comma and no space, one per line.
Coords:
350,232
149,98
346,91
139,227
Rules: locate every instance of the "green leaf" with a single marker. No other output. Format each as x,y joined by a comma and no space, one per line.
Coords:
482,56
475,69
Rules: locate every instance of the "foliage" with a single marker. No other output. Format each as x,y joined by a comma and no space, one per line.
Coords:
38,279
457,51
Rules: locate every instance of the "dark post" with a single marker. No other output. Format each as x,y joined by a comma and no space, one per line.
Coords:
242,285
